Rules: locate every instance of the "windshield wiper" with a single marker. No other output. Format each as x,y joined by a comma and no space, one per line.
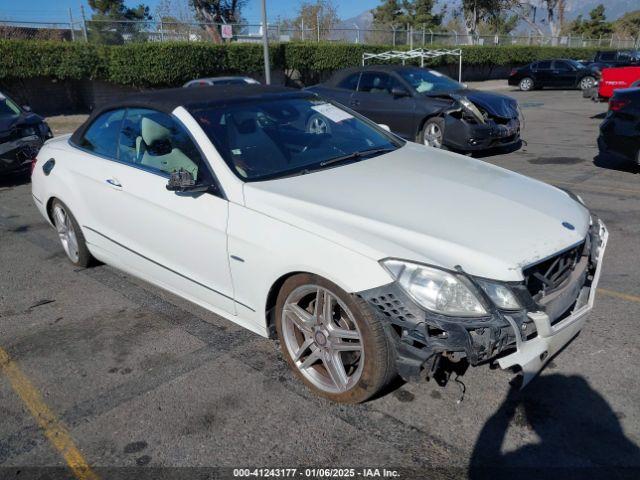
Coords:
356,155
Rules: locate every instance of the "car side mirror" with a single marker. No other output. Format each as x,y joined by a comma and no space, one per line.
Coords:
182,181
399,92
26,108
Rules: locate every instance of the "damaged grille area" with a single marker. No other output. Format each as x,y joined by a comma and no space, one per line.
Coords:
549,275
390,306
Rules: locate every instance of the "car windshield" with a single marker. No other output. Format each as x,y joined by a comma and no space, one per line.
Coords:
429,81
271,138
576,64
8,108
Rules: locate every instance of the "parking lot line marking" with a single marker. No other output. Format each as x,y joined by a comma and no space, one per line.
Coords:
624,296
53,429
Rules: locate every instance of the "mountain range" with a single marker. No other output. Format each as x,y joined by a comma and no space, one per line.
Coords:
614,9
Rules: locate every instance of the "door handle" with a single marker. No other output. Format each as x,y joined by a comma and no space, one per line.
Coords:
113,182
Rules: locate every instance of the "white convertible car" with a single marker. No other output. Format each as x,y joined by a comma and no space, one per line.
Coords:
367,256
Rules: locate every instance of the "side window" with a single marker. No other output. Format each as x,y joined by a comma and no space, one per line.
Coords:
545,65
607,56
562,66
375,82
350,83
102,136
624,56
156,141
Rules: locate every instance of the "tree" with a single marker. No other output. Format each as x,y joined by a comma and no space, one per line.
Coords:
322,13
480,15
107,24
175,18
416,13
628,25
554,10
211,12
498,23
596,27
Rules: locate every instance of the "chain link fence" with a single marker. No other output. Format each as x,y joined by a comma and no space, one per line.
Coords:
119,32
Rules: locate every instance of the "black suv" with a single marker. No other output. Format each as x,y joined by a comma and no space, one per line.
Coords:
614,58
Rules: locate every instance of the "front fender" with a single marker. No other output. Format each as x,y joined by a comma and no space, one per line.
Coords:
263,249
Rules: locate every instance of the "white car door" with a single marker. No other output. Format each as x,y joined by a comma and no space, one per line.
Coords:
176,240
89,164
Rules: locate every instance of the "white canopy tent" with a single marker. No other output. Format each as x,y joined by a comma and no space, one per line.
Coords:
420,53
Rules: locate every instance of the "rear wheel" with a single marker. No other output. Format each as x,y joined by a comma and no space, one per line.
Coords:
70,235
587,82
332,340
526,84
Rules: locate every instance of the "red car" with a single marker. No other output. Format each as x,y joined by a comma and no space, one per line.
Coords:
616,78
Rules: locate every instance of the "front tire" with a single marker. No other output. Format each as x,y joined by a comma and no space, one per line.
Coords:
70,235
332,340
432,134
587,82
526,84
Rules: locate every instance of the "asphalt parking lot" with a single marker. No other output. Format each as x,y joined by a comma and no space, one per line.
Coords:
122,374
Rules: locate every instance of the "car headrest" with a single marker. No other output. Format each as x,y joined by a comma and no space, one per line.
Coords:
152,131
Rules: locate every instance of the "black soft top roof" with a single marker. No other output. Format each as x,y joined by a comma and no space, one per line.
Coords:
167,100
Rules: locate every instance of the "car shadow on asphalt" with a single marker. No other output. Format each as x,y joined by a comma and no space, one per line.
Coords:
613,162
579,434
14,180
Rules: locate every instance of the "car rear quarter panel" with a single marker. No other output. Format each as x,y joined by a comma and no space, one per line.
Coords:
58,184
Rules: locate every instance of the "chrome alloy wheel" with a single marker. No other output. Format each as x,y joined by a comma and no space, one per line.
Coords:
66,232
322,338
526,84
433,135
587,82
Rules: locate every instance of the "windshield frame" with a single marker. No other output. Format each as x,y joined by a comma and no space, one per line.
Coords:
300,170
11,104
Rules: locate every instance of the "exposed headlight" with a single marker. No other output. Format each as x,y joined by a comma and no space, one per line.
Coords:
28,131
434,289
500,294
471,108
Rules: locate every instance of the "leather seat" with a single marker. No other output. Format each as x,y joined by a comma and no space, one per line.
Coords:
155,139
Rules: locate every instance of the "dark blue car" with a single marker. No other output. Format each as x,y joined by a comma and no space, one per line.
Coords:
425,106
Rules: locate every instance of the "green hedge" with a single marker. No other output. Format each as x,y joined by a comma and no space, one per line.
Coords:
173,63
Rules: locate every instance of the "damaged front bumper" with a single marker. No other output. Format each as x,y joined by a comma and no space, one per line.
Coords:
527,338
16,155
463,135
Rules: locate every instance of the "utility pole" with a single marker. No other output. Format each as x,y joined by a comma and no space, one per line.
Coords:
73,35
84,23
265,44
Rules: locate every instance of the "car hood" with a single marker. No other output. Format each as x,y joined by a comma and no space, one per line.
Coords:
494,103
430,206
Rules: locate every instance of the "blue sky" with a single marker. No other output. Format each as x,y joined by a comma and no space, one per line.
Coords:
48,11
